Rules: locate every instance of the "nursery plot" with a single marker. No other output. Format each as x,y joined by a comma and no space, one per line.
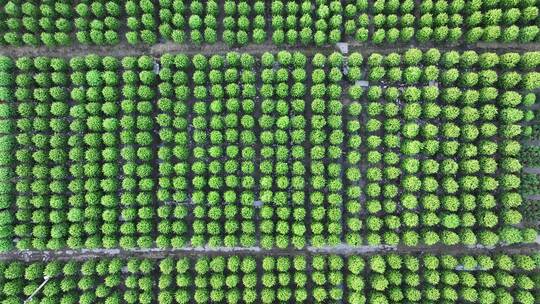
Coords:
445,141
281,22
274,151
387,278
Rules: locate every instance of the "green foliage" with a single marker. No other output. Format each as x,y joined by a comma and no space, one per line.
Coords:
437,139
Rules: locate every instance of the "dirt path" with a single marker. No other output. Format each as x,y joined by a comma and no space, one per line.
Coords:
125,49
156,253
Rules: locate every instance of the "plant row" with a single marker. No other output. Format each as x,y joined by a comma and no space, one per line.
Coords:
279,150
239,22
372,279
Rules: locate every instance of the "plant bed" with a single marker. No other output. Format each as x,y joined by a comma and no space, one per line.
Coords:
289,22
273,151
288,279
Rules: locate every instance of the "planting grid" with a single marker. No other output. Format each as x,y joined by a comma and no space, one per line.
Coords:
143,132
285,279
245,162
60,22
270,151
